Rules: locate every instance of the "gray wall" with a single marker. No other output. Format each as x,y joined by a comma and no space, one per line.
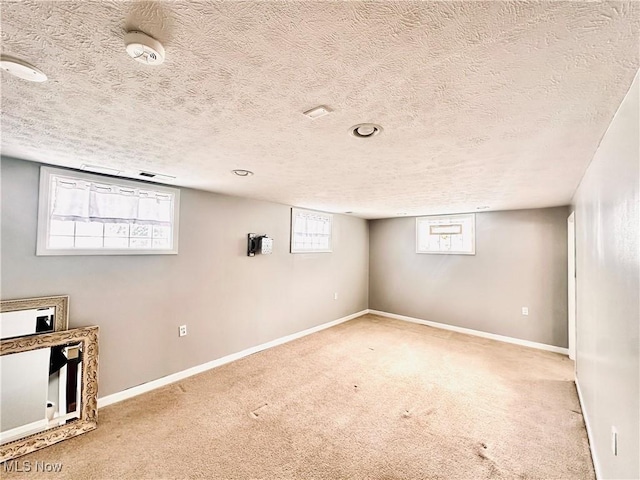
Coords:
520,261
607,213
228,301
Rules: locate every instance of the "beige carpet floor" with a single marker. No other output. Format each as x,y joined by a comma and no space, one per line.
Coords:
372,398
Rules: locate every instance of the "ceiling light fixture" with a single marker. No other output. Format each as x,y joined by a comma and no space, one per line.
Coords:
21,69
317,112
242,173
143,48
365,130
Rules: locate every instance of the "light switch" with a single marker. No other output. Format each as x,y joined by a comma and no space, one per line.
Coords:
525,310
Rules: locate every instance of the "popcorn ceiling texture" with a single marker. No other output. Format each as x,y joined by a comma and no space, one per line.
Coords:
482,103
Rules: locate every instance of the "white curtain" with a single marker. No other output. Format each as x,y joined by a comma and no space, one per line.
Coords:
81,200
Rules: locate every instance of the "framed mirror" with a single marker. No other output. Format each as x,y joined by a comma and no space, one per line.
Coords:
29,316
48,389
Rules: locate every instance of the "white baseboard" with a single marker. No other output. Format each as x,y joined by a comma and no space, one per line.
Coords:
477,333
161,382
596,464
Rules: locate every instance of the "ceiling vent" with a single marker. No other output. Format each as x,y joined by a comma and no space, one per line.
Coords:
99,169
155,176
317,112
143,48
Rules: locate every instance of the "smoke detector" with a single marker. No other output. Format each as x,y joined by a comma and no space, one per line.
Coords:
143,48
21,69
365,130
242,173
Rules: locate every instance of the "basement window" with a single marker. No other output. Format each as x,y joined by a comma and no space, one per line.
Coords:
310,231
446,234
87,214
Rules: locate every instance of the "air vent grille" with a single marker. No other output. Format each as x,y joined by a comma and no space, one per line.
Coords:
158,177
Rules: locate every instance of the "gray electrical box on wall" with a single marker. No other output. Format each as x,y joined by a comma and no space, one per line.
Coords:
258,244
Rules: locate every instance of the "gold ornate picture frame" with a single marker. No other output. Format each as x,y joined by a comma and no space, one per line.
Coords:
59,302
88,419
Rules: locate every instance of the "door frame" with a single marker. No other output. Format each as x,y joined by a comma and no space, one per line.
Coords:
571,284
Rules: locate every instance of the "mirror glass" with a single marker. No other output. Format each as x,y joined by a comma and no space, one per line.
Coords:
31,316
40,389
27,322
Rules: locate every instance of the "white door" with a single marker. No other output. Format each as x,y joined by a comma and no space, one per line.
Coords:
571,254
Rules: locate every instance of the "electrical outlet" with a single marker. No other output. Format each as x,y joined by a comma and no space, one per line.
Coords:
525,310
183,330
614,441
335,296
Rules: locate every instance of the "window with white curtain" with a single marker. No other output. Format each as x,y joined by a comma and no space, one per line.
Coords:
86,214
453,234
310,231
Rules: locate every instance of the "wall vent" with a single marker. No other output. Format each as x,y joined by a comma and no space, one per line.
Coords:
156,176
100,169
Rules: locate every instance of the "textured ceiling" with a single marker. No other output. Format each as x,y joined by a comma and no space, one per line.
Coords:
483,103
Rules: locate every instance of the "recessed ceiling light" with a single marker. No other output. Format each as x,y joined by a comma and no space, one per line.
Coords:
365,130
143,48
317,112
21,69
242,173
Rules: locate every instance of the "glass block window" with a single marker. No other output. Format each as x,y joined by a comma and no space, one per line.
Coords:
87,214
448,234
310,231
